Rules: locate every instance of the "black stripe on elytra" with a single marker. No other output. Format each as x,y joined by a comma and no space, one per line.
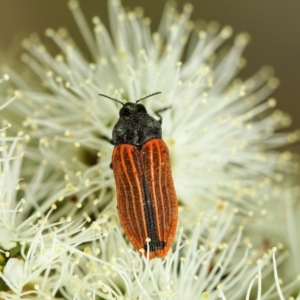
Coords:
155,243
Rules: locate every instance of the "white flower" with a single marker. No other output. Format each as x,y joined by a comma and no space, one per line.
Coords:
6,240
14,270
57,201
215,120
42,240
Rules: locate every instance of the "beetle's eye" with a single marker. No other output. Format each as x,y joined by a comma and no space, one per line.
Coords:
124,111
140,108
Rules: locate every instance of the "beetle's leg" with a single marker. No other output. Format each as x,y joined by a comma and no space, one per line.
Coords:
106,138
157,112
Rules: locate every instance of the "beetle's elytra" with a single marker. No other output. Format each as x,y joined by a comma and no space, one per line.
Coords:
147,202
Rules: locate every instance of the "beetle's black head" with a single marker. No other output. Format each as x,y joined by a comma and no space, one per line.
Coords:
131,109
135,126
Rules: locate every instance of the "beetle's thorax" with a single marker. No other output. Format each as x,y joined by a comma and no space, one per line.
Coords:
135,126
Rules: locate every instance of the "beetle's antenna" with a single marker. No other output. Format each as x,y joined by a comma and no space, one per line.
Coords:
137,101
111,98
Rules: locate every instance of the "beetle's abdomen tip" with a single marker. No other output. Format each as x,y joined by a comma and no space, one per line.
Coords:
154,245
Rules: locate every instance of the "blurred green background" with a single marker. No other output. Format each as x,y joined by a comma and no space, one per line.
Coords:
274,26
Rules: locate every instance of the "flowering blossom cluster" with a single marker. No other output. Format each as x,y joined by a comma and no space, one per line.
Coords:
60,237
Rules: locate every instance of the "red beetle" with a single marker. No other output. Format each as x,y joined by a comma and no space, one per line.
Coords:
147,202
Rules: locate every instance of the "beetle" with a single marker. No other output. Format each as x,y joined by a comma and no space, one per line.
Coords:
146,197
